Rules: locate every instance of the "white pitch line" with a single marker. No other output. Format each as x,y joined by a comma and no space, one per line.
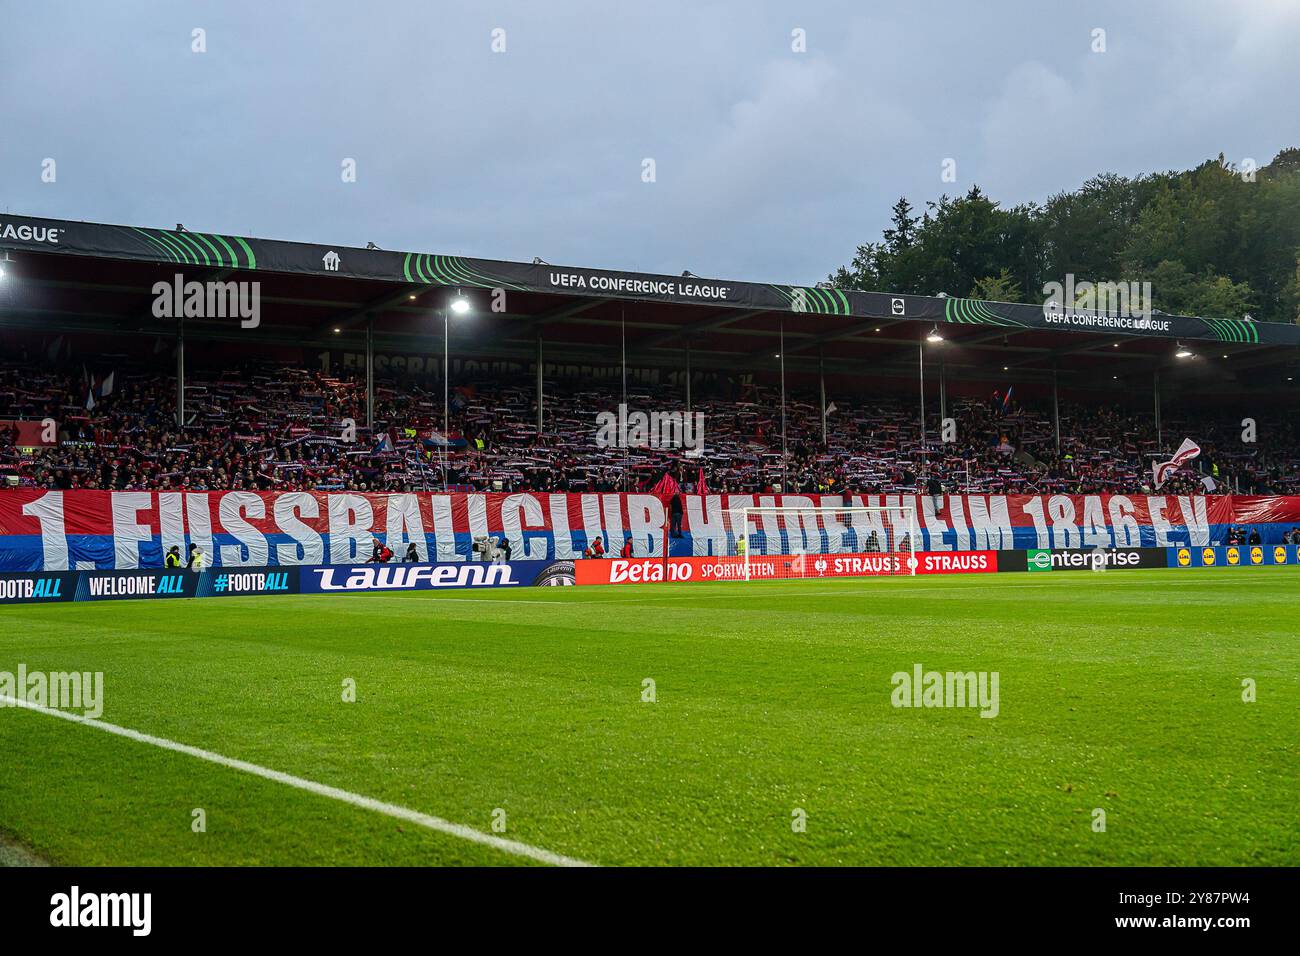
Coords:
513,847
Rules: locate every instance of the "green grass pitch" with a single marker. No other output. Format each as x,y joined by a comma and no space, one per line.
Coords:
1119,690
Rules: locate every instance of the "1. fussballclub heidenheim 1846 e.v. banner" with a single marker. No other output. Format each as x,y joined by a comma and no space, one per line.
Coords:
44,530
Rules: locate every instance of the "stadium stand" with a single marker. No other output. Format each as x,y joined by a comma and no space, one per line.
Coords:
277,428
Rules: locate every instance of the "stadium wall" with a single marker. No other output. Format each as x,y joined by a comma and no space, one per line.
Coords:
42,530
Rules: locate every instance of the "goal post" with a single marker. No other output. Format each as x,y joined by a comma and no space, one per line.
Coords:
812,542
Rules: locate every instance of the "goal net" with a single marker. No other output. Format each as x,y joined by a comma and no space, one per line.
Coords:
822,542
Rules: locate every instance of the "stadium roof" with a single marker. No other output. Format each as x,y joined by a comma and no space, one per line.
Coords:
80,276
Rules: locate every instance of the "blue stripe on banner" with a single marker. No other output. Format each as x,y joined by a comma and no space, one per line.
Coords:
25,552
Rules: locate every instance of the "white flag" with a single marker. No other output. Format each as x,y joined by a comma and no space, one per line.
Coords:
1186,452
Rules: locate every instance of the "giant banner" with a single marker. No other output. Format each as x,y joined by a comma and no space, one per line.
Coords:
42,530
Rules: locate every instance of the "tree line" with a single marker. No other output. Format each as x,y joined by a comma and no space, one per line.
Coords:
1217,240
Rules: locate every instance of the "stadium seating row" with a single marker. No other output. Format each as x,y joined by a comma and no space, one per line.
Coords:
288,429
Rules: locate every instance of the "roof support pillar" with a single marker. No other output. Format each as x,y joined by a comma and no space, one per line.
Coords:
180,371
785,487
1056,412
539,383
1160,440
821,386
370,374
920,349
688,376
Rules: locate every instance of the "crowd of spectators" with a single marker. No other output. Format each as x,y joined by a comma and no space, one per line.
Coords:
295,429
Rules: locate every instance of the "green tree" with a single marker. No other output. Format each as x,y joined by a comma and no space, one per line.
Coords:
1220,297
1211,240
999,288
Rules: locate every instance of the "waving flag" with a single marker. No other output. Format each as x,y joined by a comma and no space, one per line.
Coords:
1163,469
666,486
436,439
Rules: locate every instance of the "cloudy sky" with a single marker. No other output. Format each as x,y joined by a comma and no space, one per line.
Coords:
770,164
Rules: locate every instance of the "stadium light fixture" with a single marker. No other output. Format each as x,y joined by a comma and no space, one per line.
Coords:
1183,351
934,335
459,305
